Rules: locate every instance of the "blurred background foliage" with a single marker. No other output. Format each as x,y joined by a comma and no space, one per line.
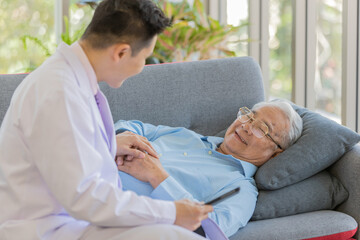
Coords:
193,35
328,75
27,32
327,85
28,38
280,40
19,18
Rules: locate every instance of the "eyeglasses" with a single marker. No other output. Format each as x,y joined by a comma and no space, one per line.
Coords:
258,127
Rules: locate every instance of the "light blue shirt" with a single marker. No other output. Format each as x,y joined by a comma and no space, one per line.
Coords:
197,172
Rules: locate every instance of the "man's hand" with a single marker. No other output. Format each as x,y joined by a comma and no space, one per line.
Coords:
131,145
148,169
190,214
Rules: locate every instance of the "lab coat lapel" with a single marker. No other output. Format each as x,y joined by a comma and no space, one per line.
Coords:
77,68
84,83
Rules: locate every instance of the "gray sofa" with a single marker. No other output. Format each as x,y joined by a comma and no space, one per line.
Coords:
205,96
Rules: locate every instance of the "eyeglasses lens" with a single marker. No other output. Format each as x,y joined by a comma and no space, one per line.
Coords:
257,127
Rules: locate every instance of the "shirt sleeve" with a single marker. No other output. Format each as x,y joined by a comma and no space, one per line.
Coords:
59,129
147,130
230,214
134,126
170,189
235,212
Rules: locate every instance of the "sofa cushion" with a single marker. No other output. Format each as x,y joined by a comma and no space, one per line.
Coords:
321,143
320,192
325,224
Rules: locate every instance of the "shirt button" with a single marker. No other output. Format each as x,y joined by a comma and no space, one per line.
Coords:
185,153
210,152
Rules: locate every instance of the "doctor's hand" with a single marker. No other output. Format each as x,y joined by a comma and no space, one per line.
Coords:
190,214
131,145
148,169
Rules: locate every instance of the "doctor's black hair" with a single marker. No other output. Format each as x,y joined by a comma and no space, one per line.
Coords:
134,22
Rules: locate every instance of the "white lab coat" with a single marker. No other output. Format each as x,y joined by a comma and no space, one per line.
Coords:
57,173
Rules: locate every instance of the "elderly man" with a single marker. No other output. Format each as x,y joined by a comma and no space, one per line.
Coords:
201,168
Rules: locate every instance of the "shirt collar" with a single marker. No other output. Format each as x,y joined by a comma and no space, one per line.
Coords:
249,168
214,141
79,52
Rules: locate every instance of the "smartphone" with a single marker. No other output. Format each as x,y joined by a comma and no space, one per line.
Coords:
224,196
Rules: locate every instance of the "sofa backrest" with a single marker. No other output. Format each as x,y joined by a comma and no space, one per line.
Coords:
8,84
203,95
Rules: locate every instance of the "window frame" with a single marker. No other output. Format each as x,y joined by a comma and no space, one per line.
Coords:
350,65
62,8
304,37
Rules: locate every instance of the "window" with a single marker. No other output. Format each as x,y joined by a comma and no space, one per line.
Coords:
308,52
238,15
80,17
328,76
280,39
32,22
30,19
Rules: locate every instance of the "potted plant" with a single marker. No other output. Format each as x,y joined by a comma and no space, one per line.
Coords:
193,35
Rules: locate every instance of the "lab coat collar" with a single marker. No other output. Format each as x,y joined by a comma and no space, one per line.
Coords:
90,72
77,68
85,77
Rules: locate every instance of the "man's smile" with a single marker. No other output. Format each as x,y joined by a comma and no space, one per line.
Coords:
240,138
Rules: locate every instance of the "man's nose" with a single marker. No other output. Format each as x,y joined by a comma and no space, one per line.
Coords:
247,128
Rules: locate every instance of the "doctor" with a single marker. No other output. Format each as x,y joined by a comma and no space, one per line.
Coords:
58,178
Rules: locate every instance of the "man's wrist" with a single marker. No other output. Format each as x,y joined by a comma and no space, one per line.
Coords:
158,179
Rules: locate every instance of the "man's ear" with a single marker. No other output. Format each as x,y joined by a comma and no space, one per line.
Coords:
277,152
120,50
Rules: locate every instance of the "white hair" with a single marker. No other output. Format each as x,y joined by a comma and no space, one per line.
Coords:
296,124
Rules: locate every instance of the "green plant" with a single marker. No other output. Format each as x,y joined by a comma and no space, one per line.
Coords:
193,35
69,38
37,42
66,37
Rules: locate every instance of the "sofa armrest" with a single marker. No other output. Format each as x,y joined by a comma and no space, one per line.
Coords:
347,170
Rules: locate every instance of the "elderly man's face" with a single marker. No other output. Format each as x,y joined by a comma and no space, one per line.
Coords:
240,142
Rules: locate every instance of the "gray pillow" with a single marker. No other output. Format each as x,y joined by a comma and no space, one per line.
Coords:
322,142
221,133
319,192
